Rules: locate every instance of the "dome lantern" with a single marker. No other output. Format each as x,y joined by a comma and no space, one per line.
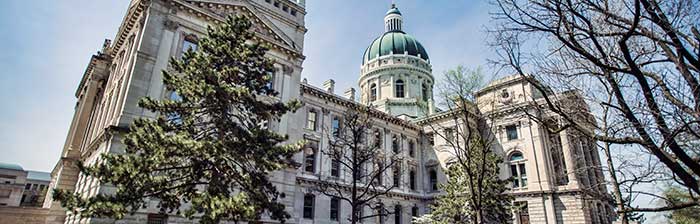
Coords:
393,19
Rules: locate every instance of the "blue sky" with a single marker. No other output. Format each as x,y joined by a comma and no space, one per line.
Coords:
47,45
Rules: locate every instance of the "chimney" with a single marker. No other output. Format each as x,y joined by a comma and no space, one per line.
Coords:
350,94
329,86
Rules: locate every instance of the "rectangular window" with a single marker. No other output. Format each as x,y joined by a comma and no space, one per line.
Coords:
514,172
412,179
310,151
397,175
412,148
311,120
449,135
309,206
512,132
28,186
380,175
335,209
397,214
522,213
395,143
335,126
157,219
414,211
188,44
335,168
380,214
523,175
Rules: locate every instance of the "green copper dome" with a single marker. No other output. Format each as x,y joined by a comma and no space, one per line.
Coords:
394,42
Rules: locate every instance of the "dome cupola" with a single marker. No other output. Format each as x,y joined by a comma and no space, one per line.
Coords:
394,40
396,75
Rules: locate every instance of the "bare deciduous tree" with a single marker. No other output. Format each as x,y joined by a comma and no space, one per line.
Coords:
474,191
355,150
635,62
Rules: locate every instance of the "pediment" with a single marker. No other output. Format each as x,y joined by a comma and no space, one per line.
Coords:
262,26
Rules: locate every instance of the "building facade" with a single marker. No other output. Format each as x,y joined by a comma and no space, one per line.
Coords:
396,78
19,187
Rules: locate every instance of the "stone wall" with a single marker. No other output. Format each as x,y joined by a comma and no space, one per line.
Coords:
27,215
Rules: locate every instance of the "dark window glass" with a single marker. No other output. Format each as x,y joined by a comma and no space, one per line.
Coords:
380,175
517,170
412,177
378,139
433,180
335,168
512,132
373,92
335,208
309,200
397,214
412,149
399,88
523,215
397,175
426,96
381,214
310,159
395,143
414,211
157,219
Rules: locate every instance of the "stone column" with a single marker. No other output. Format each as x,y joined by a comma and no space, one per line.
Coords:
568,158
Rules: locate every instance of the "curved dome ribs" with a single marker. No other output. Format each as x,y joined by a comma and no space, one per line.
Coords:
395,42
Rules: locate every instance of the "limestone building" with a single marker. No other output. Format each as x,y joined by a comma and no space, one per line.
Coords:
19,187
395,77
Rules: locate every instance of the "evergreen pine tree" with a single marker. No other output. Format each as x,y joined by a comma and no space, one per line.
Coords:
207,155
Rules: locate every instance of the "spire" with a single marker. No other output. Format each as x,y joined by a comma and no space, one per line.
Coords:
393,21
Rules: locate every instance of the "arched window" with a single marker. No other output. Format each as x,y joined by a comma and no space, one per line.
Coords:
433,180
399,89
517,170
426,95
372,92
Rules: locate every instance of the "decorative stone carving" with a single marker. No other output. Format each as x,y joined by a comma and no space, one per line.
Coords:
171,25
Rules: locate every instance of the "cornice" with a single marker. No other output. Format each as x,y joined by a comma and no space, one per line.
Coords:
130,19
89,69
311,90
386,68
